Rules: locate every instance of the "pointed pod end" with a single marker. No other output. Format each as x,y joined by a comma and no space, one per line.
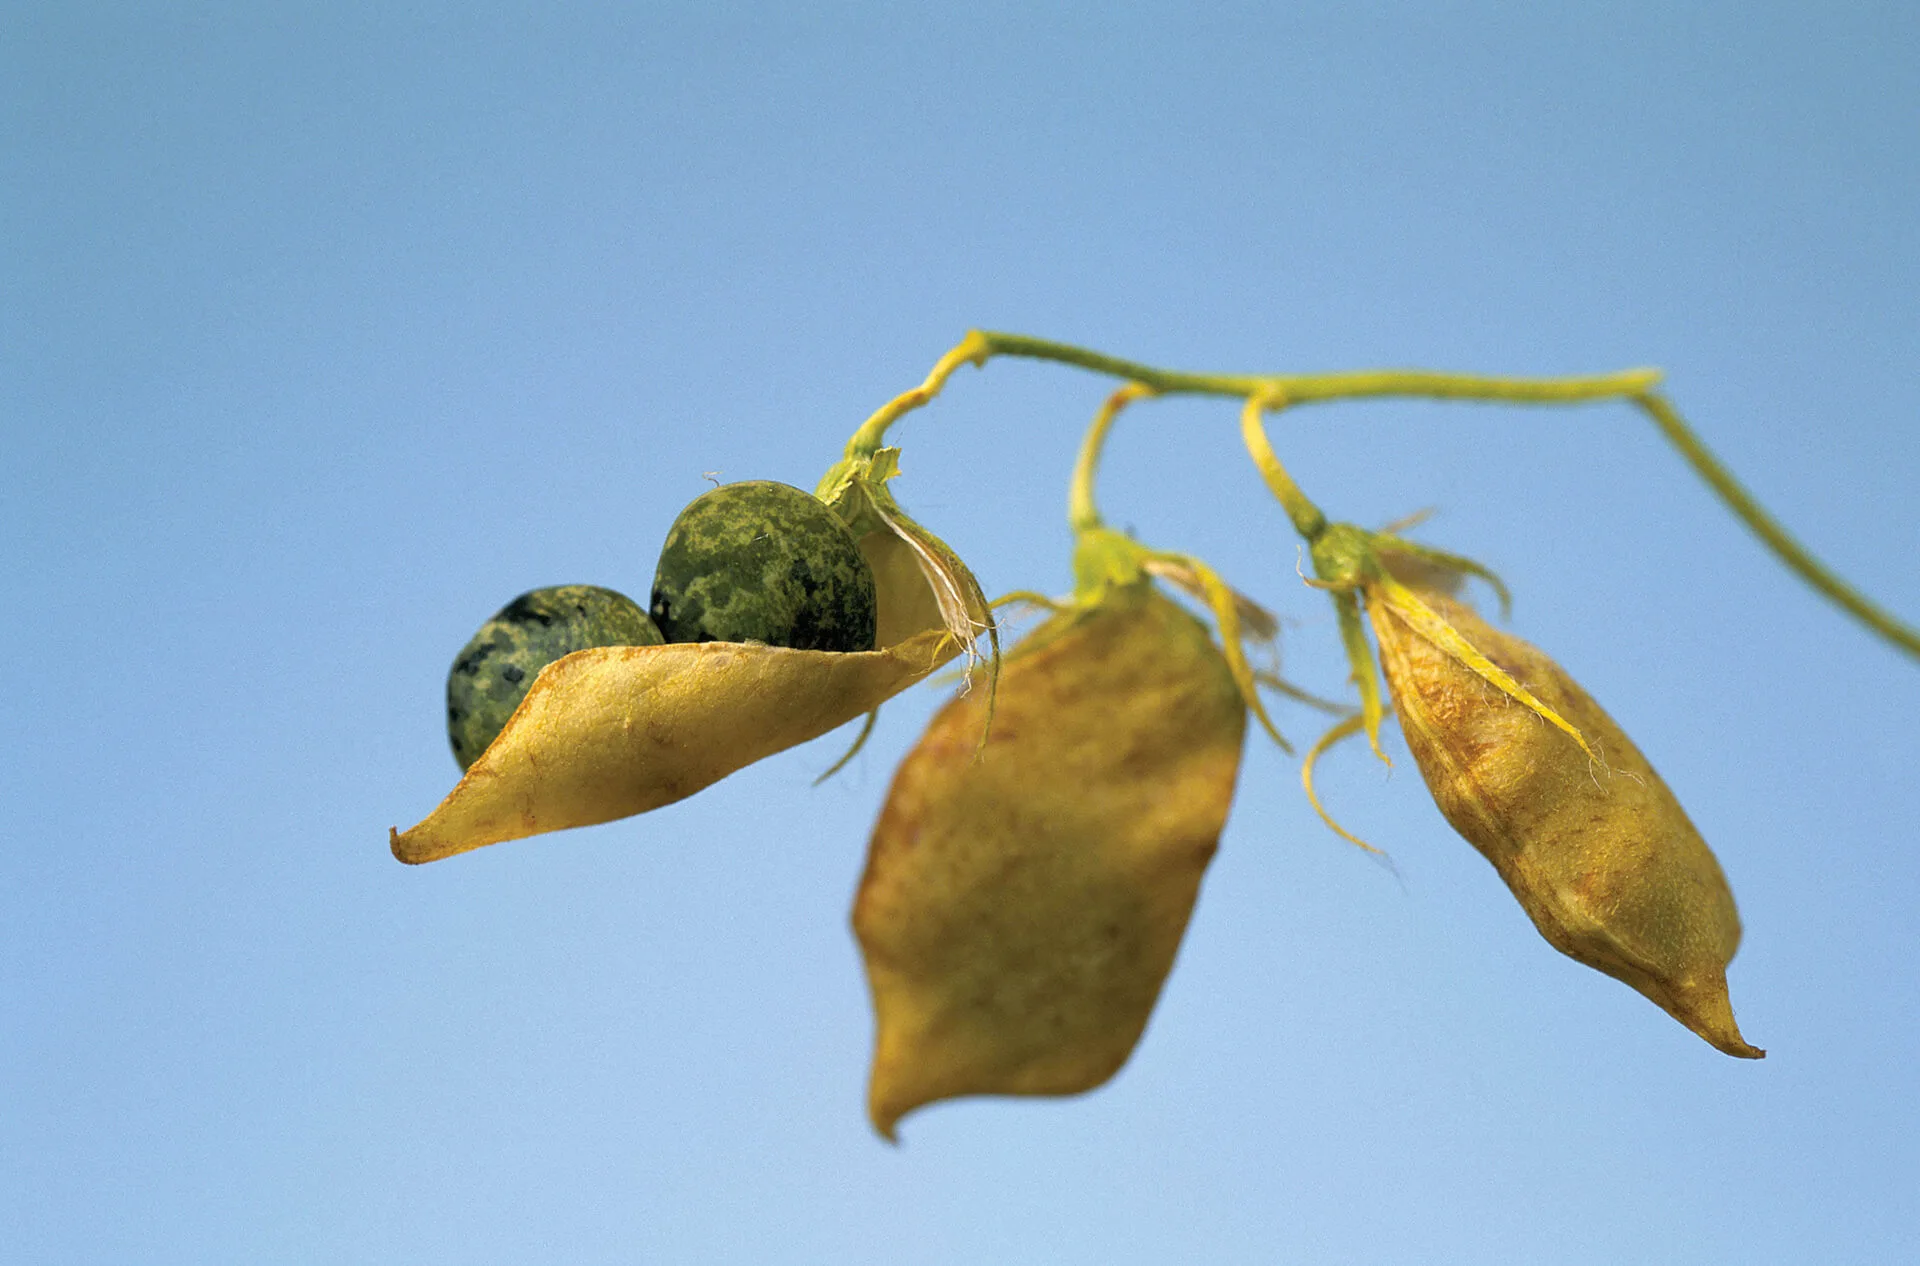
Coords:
908,1072
1707,1010
416,846
1730,1042
613,731
884,1116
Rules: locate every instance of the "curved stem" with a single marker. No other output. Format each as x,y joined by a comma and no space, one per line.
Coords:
866,441
1309,388
1164,381
1082,514
980,346
1775,537
1635,385
1308,521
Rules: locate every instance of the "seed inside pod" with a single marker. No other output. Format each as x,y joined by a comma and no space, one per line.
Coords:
494,670
764,562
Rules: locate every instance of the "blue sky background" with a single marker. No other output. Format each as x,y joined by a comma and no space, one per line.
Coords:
327,330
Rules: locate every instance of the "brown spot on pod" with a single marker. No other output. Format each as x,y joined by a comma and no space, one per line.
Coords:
1023,901
1599,854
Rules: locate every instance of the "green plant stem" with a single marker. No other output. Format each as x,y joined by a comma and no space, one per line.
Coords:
1310,388
1308,520
1776,538
1634,385
1082,513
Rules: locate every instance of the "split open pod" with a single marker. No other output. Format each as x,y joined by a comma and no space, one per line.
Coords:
613,731
1595,848
1024,897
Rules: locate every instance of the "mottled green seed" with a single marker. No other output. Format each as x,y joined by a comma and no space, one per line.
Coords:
494,671
764,562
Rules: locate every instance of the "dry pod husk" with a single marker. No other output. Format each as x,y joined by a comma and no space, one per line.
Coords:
499,664
1599,853
619,730
1023,901
614,731
919,582
904,602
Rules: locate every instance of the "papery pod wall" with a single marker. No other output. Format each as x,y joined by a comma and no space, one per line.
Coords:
614,731
1033,871
1598,852
1023,900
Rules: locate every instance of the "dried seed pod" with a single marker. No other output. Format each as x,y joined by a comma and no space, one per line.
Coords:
1599,854
904,604
1022,904
919,582
764,562
495,669
618,730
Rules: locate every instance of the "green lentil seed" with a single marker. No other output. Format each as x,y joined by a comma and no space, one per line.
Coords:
764,562
494,671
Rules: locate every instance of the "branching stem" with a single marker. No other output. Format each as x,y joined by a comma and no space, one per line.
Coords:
1268,391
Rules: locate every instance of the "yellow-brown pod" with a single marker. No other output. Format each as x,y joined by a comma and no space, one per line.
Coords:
1023,902
617,730
904,603
1599,853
